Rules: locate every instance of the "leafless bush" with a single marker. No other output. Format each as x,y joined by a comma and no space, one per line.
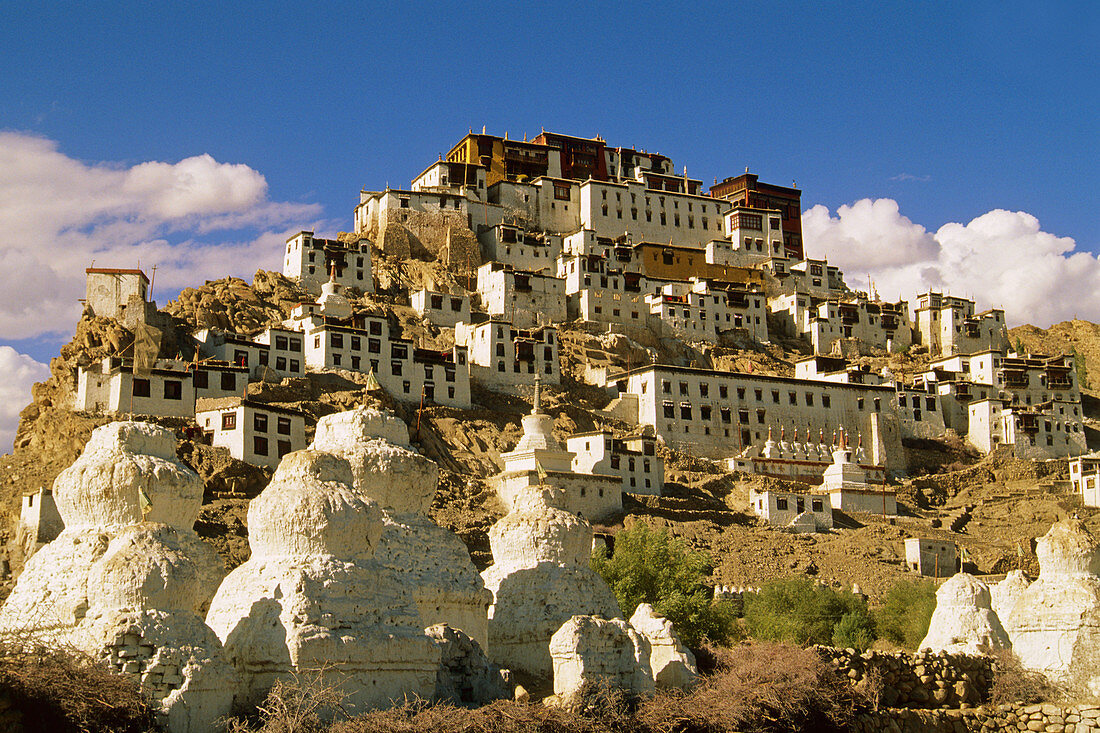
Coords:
1012,683
60,690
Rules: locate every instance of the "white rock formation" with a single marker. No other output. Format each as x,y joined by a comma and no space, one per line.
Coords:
127,579
1055,623
540,579
671,663
593,650
431,561
964,622
1005,594
312,599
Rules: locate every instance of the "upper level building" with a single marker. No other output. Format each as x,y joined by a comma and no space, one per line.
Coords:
441,309
109,291
502,355
527,299
747,190
634,459
702,309
948,325
312,261
823,322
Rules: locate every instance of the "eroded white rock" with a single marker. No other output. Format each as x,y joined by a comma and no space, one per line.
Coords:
127,579
1005,594
539,579
429,560
672,663
312,598
1055,623
593,650
964,621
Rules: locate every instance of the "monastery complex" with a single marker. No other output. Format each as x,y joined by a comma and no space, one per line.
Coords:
541,239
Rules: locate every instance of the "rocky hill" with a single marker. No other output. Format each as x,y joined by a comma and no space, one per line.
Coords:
1006,502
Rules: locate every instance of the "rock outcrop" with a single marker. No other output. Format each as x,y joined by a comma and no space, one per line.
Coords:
312,599
127,578
964,621
540,579
431,561
1055,623
588,650
671,663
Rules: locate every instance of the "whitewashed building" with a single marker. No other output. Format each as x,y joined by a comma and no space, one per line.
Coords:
39,521
948,325
527,299
503,356
1084,476
783,508
1037,432
110,387
720,413
441,309
513,244
253,432
881,325
276,349
109,291
822,368
312,261
931,557
701,310
634,459
404,371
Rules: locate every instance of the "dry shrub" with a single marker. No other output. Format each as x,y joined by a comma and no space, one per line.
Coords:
503,716
60,690
758,687
305,703
1012,683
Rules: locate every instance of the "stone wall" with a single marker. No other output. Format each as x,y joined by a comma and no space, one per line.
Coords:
1044,717
920,680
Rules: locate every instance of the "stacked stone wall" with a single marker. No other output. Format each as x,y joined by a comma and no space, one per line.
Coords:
1041,718
920,680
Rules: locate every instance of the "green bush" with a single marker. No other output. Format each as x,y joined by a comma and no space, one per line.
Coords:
649,566
801,612
904,616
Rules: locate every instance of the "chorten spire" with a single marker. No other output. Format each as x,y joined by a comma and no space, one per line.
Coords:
536,404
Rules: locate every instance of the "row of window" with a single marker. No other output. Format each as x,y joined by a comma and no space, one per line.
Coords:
259,422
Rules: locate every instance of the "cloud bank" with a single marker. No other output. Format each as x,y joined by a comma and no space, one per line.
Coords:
19,373
1000,259
58,214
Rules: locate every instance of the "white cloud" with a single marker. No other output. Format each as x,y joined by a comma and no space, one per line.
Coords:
1000,259
58,214
19,372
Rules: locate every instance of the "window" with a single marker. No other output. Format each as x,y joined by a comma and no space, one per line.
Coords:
336,358
374,346
685,410
141,388
723,392
704,388
376,328
669,410
263,355
356,344
666,386
259,445
229,382
229,421
173,389
295,365
781,504
282,425
395,368
792,397
816,505
825,400
280,363
259,422
337,340
295,344
202,379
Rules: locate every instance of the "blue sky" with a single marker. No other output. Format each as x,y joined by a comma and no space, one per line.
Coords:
931,114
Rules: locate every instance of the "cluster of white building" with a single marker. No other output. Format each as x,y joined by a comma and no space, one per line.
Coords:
572,230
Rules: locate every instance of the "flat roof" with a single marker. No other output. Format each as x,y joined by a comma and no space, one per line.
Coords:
746,375
115,271
211,404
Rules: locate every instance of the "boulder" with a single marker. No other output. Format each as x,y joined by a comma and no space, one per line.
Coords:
589,650
672,663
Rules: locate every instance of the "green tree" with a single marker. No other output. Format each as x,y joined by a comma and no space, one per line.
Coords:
799,611
904,616
650,566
